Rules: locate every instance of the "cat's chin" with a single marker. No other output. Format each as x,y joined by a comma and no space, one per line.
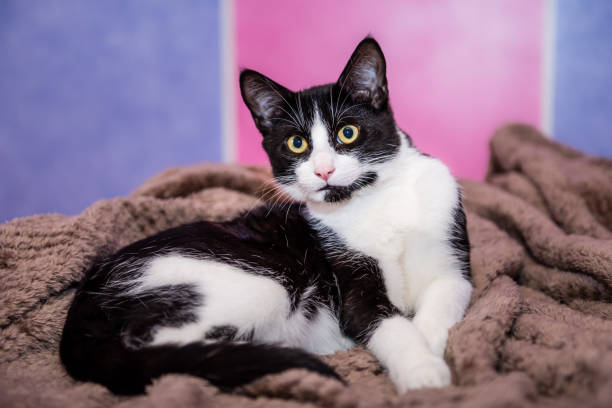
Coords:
306,195
329,193
337,194
317,196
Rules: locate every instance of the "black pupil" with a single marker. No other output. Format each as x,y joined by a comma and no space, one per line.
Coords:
347,132
297,142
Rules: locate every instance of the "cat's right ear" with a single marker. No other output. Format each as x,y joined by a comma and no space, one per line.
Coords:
263,97
364,77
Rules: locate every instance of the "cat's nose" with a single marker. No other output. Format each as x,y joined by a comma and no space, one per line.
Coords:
324,173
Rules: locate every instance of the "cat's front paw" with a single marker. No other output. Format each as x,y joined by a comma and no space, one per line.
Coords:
430,371
436,336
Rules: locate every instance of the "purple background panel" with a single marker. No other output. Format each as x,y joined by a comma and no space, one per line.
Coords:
583,76
97,96
457,69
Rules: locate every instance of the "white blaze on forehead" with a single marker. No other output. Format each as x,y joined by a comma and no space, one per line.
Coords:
318,133
322,152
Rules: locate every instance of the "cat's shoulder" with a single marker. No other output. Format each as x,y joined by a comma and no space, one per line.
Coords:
269,222
427,175
272,214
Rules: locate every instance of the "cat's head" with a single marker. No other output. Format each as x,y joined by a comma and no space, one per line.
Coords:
328,141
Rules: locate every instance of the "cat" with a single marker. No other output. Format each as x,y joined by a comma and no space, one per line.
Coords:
374,251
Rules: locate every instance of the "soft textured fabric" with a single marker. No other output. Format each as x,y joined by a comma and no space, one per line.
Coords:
538,331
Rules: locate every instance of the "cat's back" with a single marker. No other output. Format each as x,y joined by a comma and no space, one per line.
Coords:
265,237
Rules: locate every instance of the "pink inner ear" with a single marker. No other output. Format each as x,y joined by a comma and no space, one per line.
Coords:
450,84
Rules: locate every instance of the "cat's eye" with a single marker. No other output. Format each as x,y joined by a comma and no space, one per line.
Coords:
297,144
348,134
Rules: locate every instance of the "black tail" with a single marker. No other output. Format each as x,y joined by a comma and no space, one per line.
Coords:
225,364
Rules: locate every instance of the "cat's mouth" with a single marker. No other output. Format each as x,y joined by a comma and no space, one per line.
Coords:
334,194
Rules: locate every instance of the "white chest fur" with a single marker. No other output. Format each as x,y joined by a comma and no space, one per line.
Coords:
403,221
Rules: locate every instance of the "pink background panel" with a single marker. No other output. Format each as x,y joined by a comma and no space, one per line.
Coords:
456,69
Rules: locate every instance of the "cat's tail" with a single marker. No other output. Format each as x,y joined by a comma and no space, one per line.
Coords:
225,364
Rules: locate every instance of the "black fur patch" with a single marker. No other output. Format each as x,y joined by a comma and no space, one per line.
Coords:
363,297
227,365
171,305
226,333
459,240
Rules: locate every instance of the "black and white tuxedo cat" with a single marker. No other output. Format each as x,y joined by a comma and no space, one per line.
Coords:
376,254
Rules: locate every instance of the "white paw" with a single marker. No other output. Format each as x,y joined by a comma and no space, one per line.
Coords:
435,335
430,371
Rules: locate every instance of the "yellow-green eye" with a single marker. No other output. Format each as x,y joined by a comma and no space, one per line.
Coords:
348,134
297,144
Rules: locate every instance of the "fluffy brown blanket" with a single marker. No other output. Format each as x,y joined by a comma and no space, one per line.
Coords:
538,331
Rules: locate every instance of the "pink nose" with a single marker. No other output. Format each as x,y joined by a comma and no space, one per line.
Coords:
324,174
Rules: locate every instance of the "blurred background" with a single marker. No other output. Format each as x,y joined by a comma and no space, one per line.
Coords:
98,96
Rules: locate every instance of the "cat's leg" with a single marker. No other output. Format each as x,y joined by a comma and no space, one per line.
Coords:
369,317
436,287
234,301
403,350
439,291
440,306
208,300
182,315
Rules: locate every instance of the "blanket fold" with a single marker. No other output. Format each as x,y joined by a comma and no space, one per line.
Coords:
538,331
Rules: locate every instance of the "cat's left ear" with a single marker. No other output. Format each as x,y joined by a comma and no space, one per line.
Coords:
264,98
364,77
